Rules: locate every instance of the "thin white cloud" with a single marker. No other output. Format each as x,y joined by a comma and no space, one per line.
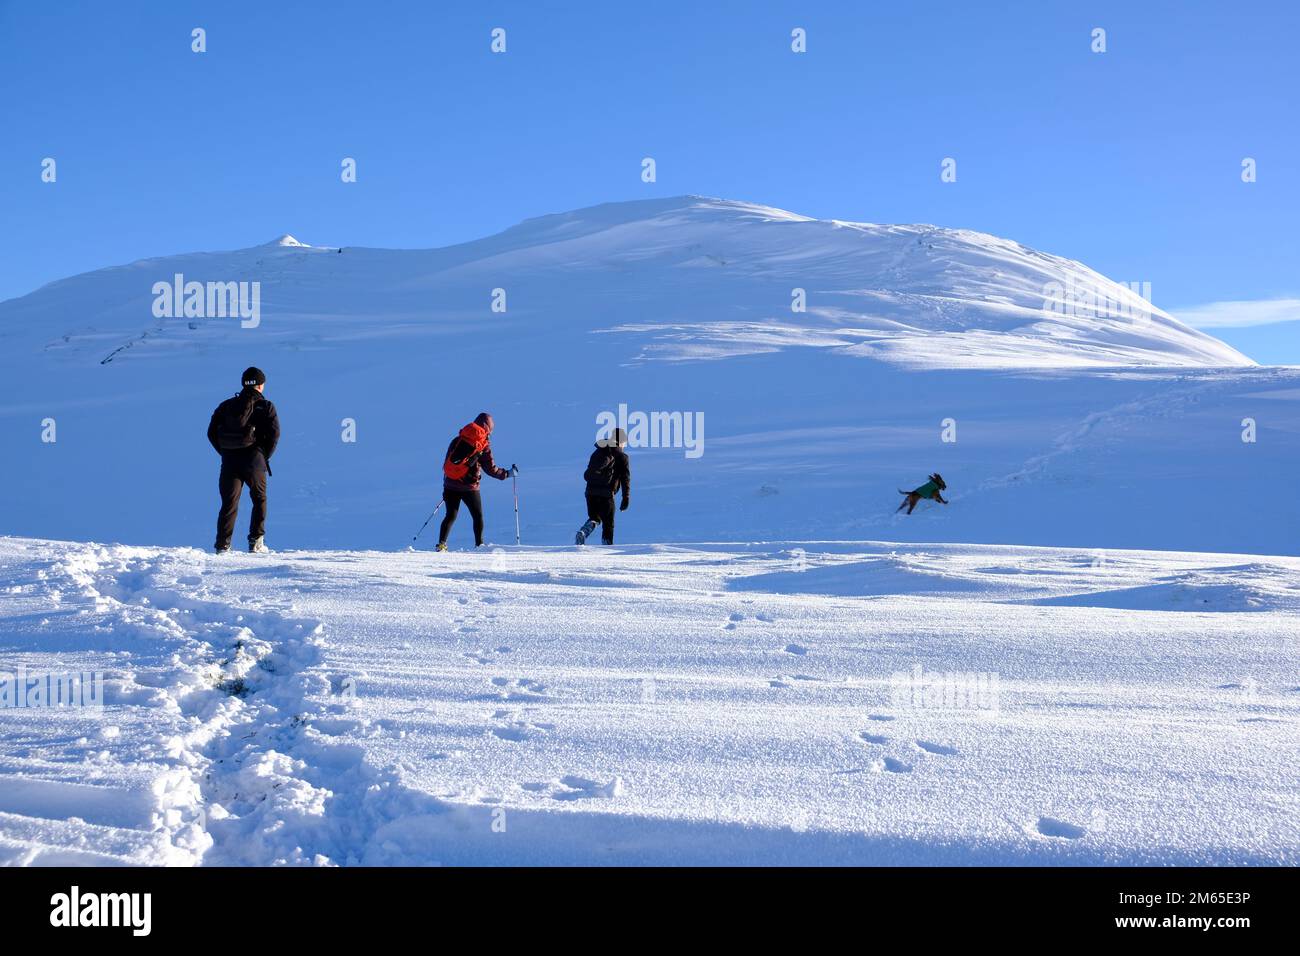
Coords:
1226,315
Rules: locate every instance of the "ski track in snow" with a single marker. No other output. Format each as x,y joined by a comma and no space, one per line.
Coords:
1162,403
551,705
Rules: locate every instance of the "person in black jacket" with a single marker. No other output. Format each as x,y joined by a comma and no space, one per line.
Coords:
608,472
244,431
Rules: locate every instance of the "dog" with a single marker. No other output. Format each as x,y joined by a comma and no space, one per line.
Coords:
930,489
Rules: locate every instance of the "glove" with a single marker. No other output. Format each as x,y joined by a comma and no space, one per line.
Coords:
514,470
623,506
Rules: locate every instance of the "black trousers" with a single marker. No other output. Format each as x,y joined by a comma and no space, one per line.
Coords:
237,470
600,509
473,501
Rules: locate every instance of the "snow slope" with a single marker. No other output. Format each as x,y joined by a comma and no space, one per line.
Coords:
919,295
1114,430
713,703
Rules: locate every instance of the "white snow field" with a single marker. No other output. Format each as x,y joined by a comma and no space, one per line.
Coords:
655,704
1099,667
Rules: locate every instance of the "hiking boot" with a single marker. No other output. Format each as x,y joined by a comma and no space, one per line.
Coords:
257,546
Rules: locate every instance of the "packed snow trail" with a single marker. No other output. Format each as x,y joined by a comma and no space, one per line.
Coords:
768,704
220,705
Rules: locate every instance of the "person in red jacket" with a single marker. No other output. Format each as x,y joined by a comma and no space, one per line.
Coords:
468,456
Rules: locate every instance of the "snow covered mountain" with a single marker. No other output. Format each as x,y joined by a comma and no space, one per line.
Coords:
1062,407
682,278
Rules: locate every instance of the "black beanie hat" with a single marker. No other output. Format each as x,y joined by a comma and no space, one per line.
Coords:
254,376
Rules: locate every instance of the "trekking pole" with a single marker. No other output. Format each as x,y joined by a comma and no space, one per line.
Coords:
426,521
514,471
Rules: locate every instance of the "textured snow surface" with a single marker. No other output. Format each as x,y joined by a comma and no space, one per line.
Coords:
653,704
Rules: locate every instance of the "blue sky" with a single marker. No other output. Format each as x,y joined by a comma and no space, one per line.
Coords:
1129,160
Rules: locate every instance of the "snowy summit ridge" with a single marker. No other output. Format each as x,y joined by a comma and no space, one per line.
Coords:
917,295
693,278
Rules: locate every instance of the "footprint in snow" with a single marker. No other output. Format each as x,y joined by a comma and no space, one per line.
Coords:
1059,829
513,733
878,717
873,738
797,649
580,788
515,728
890,765
933,748
519,689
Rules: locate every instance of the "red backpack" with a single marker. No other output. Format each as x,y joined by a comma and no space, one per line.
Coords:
466,448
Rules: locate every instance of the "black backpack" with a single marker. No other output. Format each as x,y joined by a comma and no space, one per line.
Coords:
235,428
602,470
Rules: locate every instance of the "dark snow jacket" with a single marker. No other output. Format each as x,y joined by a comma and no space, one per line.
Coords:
608,472
260,434
927,490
